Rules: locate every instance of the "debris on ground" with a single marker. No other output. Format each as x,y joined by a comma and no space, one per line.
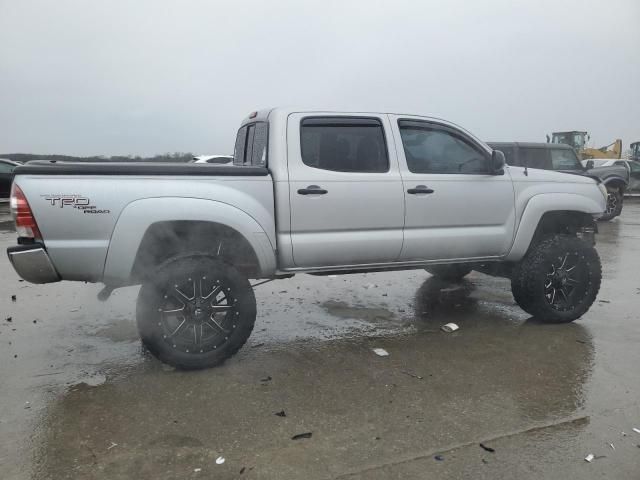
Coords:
113,445
35,321
449,327
242,470
637,430
488,449
266,379
74,310
197,470
280,414
27,405
589,458
302,435
257,345
439,458
13,298
612,446
381,352
8,319
484,461
219,460
604,301
411,374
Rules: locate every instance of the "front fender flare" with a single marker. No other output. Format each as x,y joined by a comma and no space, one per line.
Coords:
139,215
540,204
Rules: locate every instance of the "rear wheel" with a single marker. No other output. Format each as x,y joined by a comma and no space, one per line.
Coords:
452,273
195,312
614,205
558,280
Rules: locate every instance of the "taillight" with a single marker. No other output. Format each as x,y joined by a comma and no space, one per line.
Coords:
26,225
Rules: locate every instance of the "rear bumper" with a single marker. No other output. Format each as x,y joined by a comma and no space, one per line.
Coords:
32,263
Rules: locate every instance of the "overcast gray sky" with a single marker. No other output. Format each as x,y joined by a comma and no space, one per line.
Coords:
149,76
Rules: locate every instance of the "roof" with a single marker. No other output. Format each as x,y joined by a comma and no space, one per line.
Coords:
530,145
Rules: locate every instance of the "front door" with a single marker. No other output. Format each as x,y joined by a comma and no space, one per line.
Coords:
345,192
455,209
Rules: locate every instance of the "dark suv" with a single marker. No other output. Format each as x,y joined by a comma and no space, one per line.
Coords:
563,158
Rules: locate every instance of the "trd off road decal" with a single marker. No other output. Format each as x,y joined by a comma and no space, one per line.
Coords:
73,201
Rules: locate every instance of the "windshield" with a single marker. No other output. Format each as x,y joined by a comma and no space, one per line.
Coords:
573,139
564,159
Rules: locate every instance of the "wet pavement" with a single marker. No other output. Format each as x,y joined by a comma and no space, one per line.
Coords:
82,400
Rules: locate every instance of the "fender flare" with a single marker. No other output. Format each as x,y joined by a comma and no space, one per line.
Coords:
615,178
533,212
139,215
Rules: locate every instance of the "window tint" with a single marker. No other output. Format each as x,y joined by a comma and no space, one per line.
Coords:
562,159
534,157
343,144
241,143
260,137
251,145
432,149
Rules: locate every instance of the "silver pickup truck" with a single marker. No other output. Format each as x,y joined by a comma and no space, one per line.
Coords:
309,192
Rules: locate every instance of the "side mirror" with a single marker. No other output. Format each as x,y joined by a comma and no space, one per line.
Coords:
589,165
497,162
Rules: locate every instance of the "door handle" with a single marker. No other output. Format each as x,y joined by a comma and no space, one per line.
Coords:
312,190
420,189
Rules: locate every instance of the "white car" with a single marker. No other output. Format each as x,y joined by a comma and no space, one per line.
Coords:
214,159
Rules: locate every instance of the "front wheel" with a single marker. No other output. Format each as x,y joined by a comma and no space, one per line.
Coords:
558,280
614,205
195,312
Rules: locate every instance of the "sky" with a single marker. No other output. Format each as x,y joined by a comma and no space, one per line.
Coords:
120,77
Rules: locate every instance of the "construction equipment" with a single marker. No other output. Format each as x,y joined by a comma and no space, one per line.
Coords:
635,151
578,140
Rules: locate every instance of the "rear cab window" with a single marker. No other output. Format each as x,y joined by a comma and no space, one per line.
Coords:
344,144
534,157
252,145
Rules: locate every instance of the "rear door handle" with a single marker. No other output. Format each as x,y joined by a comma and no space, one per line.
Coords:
420,189
312,190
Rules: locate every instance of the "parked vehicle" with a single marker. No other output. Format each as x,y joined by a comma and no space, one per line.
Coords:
578,140
213,159
309,192
632,167
563,158
635,151
6,176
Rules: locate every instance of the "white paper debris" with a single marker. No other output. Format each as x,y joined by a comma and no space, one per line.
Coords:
589,458
612,446
220,460
113,444
637,430
381,352
450,327
197,470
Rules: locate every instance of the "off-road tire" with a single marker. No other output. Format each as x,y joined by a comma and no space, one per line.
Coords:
220,338
540,276
451,273
614,205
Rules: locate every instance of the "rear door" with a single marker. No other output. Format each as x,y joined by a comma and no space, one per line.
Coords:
346,197
455,209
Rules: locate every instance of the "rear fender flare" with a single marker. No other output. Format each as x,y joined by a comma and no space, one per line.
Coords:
138,216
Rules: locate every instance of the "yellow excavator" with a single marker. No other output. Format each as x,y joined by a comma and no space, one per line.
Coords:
578,140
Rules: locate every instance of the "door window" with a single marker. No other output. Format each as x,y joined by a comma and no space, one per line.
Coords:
343,144
433,149
6,168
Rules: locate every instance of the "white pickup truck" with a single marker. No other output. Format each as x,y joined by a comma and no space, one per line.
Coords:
309,192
